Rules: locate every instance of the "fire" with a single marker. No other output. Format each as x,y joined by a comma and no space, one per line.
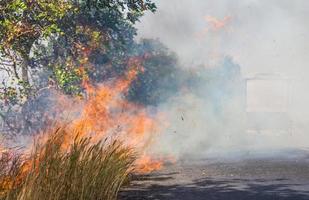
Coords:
106,113
217,24
147,164
214,25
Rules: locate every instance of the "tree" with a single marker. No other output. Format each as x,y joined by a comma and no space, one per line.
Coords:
22,24
62,43
161,77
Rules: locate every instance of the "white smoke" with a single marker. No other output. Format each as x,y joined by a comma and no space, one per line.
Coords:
263,37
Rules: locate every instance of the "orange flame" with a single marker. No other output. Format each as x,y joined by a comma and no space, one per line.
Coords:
217,24
146,164
106,113
214,25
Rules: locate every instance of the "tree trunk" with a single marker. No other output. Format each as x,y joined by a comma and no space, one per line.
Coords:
24,68
25,75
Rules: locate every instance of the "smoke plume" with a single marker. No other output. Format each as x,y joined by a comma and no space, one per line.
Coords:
248,64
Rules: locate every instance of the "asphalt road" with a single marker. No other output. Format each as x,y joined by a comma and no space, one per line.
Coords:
257,178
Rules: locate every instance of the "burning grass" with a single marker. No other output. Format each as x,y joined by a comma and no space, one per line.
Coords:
85,170
92,156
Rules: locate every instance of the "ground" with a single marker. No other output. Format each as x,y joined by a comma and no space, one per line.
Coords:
256,178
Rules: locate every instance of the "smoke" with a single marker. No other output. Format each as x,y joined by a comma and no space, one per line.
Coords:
238,51
261,36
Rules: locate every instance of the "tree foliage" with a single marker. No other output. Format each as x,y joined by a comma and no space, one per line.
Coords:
71,28
161,77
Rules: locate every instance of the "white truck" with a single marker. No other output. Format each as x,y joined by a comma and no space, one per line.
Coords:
267,103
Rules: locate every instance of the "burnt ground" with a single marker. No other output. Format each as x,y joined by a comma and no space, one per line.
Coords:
269,178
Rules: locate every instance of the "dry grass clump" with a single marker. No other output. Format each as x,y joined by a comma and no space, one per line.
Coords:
82,171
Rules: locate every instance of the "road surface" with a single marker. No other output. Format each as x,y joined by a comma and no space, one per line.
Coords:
269,178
